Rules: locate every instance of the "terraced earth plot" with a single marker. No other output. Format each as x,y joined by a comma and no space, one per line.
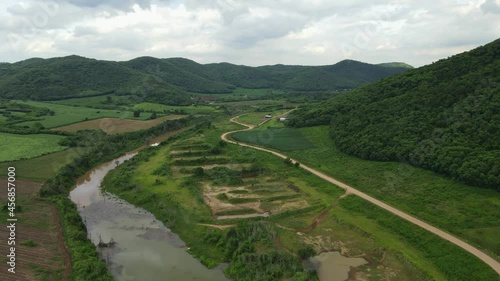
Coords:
233,188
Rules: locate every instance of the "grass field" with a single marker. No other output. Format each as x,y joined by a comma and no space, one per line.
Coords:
44,167
93,101
255,92
65,114
255,118
253,103
393,254
115,125
15,147
156,107
285,139
468,212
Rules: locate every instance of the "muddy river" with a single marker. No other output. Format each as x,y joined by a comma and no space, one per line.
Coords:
144,248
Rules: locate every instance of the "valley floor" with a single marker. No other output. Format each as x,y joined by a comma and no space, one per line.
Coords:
495,265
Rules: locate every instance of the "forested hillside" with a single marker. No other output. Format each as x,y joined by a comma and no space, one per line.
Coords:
171,80
444,117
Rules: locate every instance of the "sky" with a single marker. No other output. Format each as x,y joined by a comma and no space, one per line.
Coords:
249,32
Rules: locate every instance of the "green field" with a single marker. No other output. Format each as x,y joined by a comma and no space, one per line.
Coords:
352,226
256,92
43,167
285,139
256,118
98,101
156,107
253,103
65,115
15,147
471,212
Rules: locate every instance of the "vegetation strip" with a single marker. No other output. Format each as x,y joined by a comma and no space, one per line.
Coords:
471,249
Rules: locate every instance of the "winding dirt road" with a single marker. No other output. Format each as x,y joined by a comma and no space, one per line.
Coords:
350,190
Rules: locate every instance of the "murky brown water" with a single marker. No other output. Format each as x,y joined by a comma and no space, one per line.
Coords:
145,249
335,267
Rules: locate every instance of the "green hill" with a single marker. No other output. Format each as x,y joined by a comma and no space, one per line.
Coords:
62,77
444,117
185,74
171,81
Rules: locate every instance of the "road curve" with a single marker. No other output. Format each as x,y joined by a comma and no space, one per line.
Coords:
469,248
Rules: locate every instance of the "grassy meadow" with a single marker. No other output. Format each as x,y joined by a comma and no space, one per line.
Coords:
156,107
471,212
65,114
43,167
95,102
351,227
16,147
285,139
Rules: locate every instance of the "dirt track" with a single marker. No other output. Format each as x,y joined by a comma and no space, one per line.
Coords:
469,248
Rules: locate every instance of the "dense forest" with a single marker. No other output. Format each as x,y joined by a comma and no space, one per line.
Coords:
444,117
169,80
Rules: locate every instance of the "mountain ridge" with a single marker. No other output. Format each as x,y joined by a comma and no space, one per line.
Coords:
163,79
443,117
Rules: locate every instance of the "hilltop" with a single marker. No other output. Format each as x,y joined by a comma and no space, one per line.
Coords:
444,117
169,80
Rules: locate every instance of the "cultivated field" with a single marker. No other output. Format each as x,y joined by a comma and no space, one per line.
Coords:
65,114
43,167
233,186
40,251
285,139
156,107
15,147
115,125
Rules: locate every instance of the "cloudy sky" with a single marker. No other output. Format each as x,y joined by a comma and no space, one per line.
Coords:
251,32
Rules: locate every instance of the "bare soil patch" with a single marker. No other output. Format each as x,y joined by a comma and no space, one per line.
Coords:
38,221
116,125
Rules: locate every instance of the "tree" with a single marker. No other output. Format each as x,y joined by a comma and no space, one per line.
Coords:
199,172
137,113
38,126
153,116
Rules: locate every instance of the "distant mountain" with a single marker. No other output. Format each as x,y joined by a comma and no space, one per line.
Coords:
168,80
396,64
444,117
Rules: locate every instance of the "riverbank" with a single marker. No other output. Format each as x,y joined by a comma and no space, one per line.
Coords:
134,243
87,265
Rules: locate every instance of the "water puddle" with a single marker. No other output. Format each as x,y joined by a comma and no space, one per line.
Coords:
335,267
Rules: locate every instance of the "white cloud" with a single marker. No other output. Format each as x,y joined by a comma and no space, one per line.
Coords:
249,32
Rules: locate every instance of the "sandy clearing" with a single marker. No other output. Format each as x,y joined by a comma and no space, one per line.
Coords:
469,248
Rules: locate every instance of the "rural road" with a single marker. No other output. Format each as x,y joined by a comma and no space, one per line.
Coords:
350,190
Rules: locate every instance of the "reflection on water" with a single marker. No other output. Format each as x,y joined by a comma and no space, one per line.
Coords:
145,249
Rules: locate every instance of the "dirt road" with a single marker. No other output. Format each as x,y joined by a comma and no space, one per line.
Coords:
469,248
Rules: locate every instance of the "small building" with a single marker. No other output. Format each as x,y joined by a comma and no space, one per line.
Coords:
282,119
268,116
